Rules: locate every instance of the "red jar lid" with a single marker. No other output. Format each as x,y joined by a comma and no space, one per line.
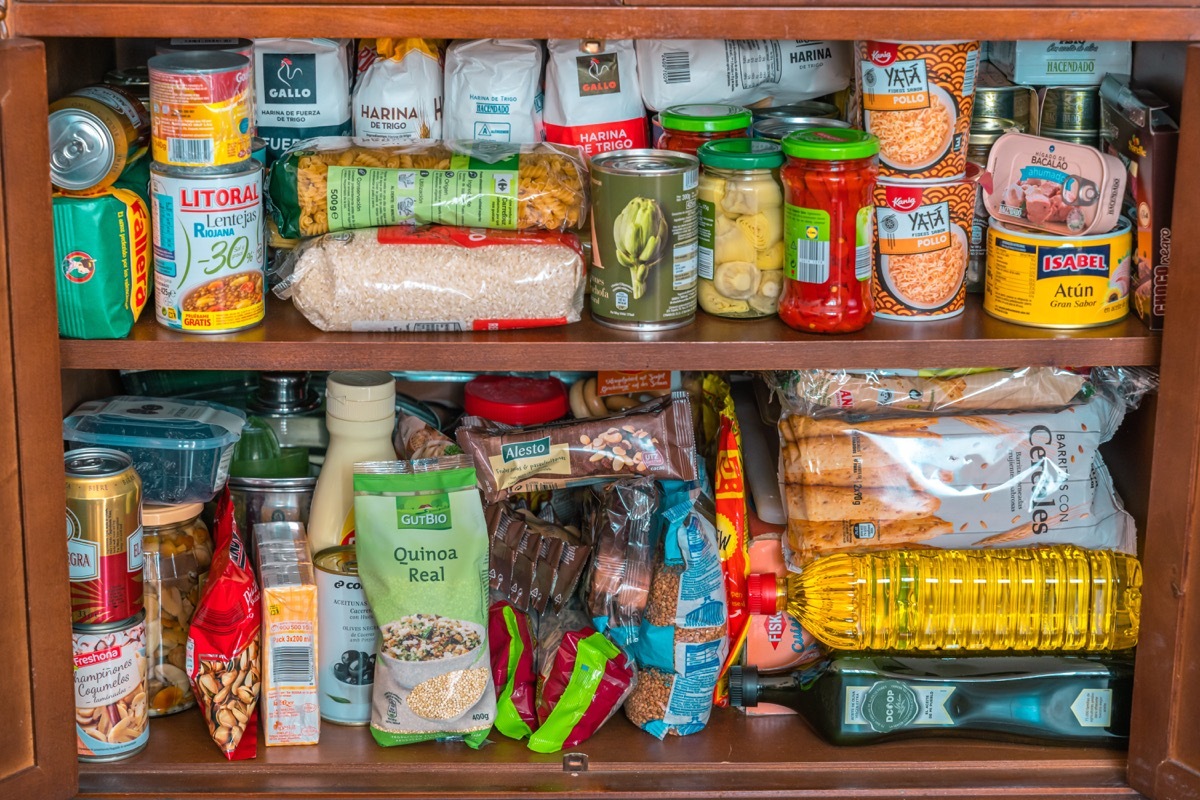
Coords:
517,401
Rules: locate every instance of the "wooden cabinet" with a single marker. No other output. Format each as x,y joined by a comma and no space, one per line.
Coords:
1157,459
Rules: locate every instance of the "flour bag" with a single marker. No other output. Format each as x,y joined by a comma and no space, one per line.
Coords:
592,95
302,90
494,90
398,95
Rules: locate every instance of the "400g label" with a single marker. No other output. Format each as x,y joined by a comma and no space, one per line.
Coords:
208,249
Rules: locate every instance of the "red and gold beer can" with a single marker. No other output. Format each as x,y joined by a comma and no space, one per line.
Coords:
104,536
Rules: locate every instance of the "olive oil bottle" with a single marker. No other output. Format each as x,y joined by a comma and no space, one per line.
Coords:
860,699
1060,598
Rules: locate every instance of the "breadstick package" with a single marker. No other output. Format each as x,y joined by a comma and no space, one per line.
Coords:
337,184
1000,480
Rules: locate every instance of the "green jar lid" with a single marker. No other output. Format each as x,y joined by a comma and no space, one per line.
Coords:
830,144
705,118
741,154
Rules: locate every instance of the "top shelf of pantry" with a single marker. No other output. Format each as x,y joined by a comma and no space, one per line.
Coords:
285,341
1145,20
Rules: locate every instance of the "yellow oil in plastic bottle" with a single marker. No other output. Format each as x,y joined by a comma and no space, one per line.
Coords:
1061,598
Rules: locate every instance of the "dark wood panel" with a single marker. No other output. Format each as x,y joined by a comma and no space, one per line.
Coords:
734,756
1075,20
30,337
287,341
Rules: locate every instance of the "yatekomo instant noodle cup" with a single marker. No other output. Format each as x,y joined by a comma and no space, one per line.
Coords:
923,239
917,98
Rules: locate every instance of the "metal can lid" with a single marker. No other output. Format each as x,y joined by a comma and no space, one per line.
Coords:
705,118
203,45
645,162
81,149
805,108
831,144
741,154
95,462
775,128
156,516
80,629
341,560
197,62
131,77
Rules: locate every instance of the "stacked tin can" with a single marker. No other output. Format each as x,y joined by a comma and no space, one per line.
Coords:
104,547
206,189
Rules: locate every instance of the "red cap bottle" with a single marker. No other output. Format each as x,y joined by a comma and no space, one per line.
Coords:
762,594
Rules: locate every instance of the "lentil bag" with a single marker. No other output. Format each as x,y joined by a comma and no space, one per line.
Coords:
422,551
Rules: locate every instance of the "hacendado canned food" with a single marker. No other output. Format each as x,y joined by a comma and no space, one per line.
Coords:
1058,281
208,249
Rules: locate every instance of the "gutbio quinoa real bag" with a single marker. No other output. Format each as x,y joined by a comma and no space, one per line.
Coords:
422,547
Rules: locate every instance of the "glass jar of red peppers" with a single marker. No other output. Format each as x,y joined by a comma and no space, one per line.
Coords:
828,220
686,127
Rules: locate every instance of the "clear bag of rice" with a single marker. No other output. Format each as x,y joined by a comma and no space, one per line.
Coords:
435,278
422,548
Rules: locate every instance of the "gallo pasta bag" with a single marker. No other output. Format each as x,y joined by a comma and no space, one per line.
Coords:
223,642
422,547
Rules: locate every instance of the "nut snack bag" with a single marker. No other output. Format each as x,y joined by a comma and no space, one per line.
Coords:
422,546
223,642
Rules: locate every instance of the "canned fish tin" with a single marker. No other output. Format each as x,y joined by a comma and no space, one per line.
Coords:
805,108
644,237
111,712
208,249
775,128
1071,108
1058,281
104,535
348,639
200,108
135,80
94,133
1090,138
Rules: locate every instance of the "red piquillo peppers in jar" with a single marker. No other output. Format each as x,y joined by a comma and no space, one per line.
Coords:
828,214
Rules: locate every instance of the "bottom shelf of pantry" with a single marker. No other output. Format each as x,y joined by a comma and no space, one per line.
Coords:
735,755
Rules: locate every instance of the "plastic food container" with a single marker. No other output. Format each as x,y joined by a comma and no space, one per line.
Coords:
687,127
180,448
516,401
828,215
741,228
177,551
1053,186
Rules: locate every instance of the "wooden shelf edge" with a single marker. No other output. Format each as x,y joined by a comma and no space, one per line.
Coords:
1075,20
287,341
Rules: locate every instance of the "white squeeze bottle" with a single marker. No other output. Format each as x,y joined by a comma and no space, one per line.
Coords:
360,413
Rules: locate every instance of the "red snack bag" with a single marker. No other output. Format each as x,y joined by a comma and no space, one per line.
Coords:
512,650
588,681
222,648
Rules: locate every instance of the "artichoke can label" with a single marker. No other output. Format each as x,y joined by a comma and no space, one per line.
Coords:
1057,281
208,249
348,639
644,239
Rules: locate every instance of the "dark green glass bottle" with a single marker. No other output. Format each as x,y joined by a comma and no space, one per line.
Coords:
859,699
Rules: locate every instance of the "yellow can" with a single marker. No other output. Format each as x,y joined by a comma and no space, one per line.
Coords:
1058,281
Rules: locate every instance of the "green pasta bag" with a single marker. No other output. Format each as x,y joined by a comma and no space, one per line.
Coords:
422,547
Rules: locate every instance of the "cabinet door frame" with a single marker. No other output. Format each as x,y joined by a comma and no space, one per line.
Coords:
33,494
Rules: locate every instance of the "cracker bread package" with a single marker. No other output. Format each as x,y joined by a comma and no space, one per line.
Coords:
422,551
494,90
592,95
223,642
302,90
746,72
398,93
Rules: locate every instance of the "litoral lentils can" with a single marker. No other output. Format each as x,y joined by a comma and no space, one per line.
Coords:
348,639
644,239
208,248
1058,281
200,109
104,535
112,718
94,134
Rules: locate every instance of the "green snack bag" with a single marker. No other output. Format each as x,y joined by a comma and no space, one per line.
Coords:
422,546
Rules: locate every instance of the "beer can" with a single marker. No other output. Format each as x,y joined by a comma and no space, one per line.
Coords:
347,639
95,132
112,718
104,535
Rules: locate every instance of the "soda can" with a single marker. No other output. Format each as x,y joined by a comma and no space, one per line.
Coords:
104,535
112,718
347,639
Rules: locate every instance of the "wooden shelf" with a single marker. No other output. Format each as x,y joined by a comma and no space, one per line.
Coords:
778,756
848,19
287,341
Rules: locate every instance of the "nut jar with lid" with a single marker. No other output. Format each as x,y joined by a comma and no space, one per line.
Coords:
177,551
686,127
828,217
741,228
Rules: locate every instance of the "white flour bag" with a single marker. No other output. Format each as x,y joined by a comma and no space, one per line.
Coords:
592,95
302,90
494,90
398,96
741,72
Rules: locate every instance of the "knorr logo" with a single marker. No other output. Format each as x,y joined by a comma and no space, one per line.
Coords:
517,450
423,513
